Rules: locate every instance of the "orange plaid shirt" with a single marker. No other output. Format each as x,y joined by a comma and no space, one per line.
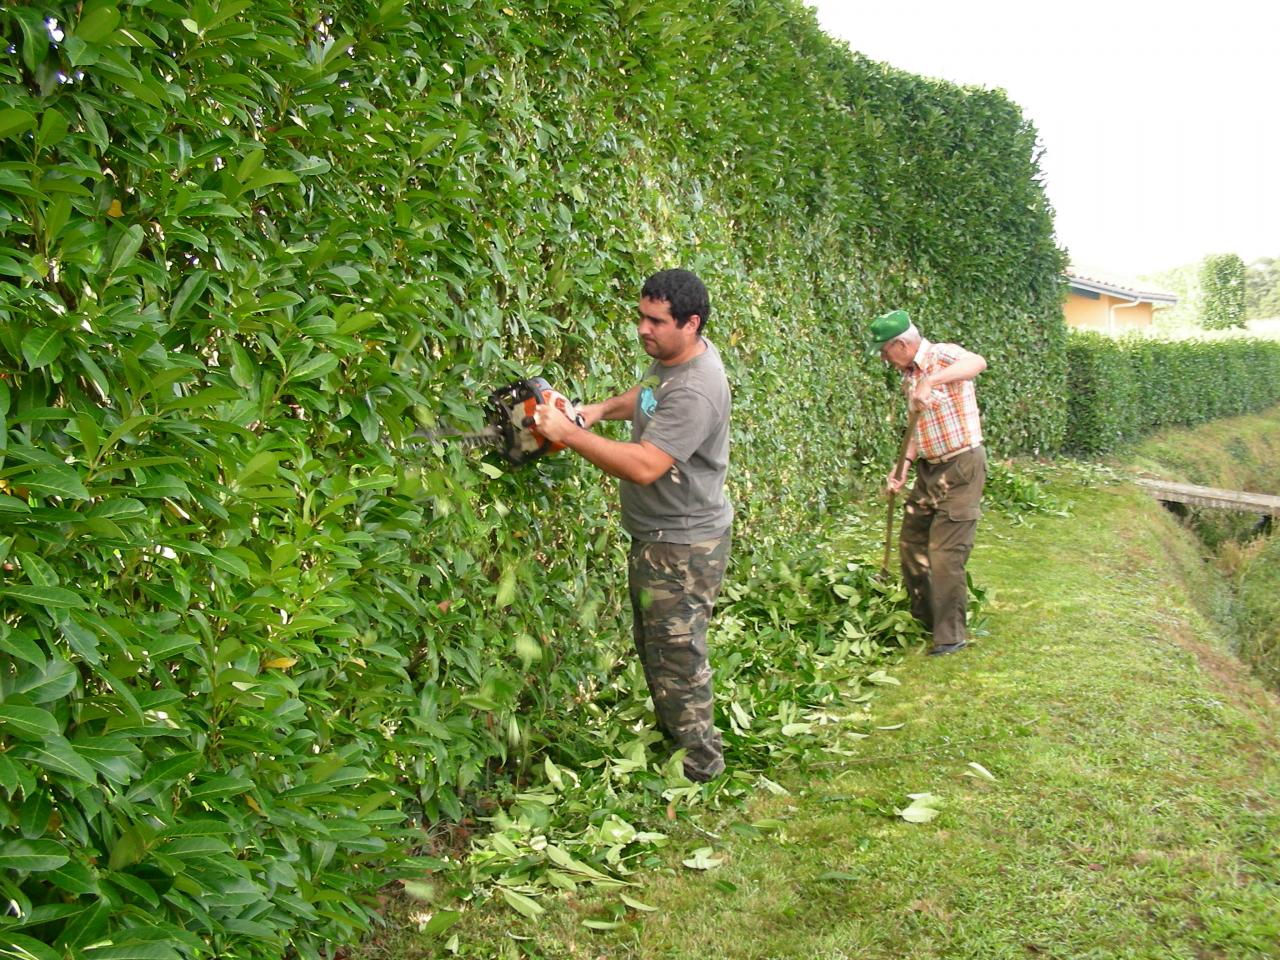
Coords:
950,420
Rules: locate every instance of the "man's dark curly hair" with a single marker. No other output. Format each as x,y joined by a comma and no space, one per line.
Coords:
683,291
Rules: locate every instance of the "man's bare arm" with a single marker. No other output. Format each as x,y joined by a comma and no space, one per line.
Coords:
618,407
640,463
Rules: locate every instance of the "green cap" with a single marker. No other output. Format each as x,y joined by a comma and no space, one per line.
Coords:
886,327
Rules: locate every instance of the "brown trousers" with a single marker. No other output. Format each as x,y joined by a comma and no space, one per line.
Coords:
938,524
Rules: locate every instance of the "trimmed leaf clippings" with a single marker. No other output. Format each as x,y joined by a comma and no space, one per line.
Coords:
702,859
922,809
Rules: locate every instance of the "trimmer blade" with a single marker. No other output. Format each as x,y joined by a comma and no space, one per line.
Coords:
489,436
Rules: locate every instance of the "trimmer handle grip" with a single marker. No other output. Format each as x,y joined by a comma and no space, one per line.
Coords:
558,400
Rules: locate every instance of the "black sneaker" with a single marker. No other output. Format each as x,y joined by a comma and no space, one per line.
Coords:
702,776
943,649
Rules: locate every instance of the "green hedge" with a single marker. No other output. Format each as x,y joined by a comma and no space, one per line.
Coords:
1121,390
249,637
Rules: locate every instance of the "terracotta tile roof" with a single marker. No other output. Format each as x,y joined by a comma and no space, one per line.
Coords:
1117,285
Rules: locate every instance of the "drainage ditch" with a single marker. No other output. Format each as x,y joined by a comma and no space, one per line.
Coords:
1245,550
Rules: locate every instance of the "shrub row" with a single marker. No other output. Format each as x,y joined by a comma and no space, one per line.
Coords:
248,634
1121,390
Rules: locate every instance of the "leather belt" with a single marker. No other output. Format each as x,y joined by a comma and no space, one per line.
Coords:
948,457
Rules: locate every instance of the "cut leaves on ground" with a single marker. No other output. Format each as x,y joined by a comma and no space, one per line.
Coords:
1122,804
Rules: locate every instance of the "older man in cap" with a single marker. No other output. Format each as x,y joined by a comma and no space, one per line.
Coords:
941,512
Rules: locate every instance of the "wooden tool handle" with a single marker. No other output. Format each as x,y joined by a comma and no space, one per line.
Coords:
913,416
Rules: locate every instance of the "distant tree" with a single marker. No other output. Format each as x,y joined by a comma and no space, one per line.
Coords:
1262,289
1183,281
1222,291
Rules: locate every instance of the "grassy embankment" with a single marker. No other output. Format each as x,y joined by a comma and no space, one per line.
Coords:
1238,454
1132,813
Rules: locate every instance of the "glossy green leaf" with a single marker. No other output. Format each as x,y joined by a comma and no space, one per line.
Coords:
14,122
12,506
22,947
138,950
21,647
115,758
53,127
36,814
602,924
313,367
130,847
50,597
228,561
127,246
74,877
441,920
56,480
86,927
95,126
29,723
12,181
48,681
636,904
41,346
97,22
31,856
522,904
193,287
55,754
163,774
265,178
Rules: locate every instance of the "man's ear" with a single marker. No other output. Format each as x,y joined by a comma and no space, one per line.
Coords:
694,321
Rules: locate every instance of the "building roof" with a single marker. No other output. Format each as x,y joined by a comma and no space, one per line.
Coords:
1095,281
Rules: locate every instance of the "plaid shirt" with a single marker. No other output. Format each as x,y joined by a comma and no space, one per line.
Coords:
950,420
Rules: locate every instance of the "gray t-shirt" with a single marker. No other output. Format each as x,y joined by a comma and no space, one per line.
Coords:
684,412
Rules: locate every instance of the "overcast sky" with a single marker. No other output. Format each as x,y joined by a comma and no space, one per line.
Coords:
1160,121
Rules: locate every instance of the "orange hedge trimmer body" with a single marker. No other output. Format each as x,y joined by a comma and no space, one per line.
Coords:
510,429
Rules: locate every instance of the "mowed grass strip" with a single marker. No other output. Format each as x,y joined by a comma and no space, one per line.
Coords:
1132,813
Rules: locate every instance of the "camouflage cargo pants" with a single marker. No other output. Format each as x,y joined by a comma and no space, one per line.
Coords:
938,525
673,591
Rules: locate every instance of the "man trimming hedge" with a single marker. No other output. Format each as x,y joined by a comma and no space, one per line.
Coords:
673,504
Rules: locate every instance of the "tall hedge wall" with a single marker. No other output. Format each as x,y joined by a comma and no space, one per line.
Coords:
1122,390
247,247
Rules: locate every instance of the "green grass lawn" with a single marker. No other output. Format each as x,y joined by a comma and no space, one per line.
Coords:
1133,809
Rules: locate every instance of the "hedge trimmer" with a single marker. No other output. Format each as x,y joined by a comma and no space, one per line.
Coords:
510,429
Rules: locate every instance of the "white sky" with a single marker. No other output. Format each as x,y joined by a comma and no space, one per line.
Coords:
1160,120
